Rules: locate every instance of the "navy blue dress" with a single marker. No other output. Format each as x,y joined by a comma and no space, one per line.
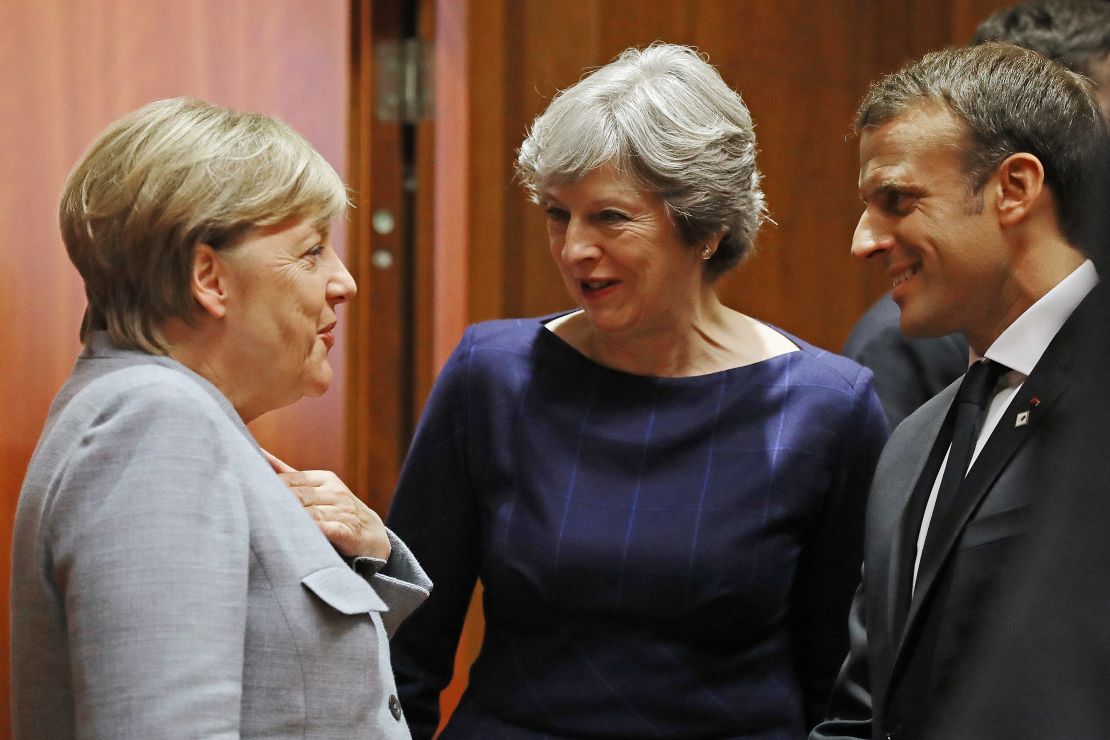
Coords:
661,557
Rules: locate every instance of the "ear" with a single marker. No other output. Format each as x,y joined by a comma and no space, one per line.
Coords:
1021,185
209,281
714,241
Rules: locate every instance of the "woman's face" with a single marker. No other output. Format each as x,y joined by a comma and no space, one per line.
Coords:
620,255
284,283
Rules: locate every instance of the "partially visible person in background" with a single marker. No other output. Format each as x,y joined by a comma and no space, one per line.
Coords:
908,370
1075,33
165,581
663,497
911,370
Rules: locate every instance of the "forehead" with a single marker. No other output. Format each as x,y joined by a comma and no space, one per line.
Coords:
926,141
601,182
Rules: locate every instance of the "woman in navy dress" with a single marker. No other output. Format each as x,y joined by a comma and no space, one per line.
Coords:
662,497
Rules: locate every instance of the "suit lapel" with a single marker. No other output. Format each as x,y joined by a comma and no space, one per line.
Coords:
1000,448
905,536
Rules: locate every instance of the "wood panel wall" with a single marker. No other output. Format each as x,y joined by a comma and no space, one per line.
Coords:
68,68
801,66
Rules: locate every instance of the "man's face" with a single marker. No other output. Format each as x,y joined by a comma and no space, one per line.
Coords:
950,268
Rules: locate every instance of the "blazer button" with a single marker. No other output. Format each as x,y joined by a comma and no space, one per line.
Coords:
395,707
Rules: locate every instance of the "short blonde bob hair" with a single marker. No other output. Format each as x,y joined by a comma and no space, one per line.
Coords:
170,176
663,116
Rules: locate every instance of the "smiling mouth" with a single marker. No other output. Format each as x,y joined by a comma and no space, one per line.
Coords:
593,286
905,275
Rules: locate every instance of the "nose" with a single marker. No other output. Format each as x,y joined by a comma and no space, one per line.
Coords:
579,242
341,286
870,238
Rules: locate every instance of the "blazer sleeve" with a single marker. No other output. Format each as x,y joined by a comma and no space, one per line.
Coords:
149,549
849,712
434,510
400,581
828,571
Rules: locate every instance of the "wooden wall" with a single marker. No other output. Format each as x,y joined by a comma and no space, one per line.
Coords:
68,68
801,67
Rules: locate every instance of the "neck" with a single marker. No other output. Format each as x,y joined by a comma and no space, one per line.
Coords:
1040,265
693,344
199,348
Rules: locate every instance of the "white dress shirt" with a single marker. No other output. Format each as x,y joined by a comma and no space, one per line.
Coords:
1019,348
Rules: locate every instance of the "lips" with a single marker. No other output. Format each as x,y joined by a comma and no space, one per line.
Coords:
327,335
592,287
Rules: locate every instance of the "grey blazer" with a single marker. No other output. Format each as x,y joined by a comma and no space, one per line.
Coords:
165,583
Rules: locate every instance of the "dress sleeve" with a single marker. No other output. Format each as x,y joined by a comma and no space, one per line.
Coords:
829,569
149,549
434,510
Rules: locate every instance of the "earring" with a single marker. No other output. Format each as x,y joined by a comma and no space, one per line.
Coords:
706,252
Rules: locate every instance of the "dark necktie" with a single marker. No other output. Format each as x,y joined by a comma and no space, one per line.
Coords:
972,400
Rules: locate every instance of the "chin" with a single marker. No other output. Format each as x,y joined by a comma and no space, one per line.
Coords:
923,329
318,383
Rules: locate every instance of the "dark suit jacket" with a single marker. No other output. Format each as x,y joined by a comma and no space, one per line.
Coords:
1058,594
908,371
951,597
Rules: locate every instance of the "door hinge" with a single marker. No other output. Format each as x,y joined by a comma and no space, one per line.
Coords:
403,80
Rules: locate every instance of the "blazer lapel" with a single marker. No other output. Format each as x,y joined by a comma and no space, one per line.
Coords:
1004,441
895,554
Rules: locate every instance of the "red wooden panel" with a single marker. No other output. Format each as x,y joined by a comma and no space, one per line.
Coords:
69,67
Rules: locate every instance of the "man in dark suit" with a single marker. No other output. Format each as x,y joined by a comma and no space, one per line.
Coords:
973,165
911,370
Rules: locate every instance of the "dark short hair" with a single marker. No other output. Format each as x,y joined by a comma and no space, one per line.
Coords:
1075,33
1009,100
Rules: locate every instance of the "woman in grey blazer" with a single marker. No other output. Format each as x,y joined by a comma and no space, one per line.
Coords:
166,582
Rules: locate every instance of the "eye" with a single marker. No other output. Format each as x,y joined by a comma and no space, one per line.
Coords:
315,251
899,202
557,215
611,217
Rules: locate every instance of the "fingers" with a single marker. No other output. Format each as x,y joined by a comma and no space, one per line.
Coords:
348,524
277,464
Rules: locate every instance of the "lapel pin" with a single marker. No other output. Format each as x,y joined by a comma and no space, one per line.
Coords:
1022,419
1034,401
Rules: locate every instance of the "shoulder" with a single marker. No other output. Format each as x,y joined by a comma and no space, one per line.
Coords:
498,346
504,334
813,365
142,404
155,389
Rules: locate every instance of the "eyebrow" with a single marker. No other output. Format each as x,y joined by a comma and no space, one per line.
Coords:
883,186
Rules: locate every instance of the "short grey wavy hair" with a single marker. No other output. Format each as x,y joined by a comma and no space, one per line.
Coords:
664,116
169,176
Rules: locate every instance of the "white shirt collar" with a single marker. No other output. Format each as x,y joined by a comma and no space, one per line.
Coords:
1023,342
